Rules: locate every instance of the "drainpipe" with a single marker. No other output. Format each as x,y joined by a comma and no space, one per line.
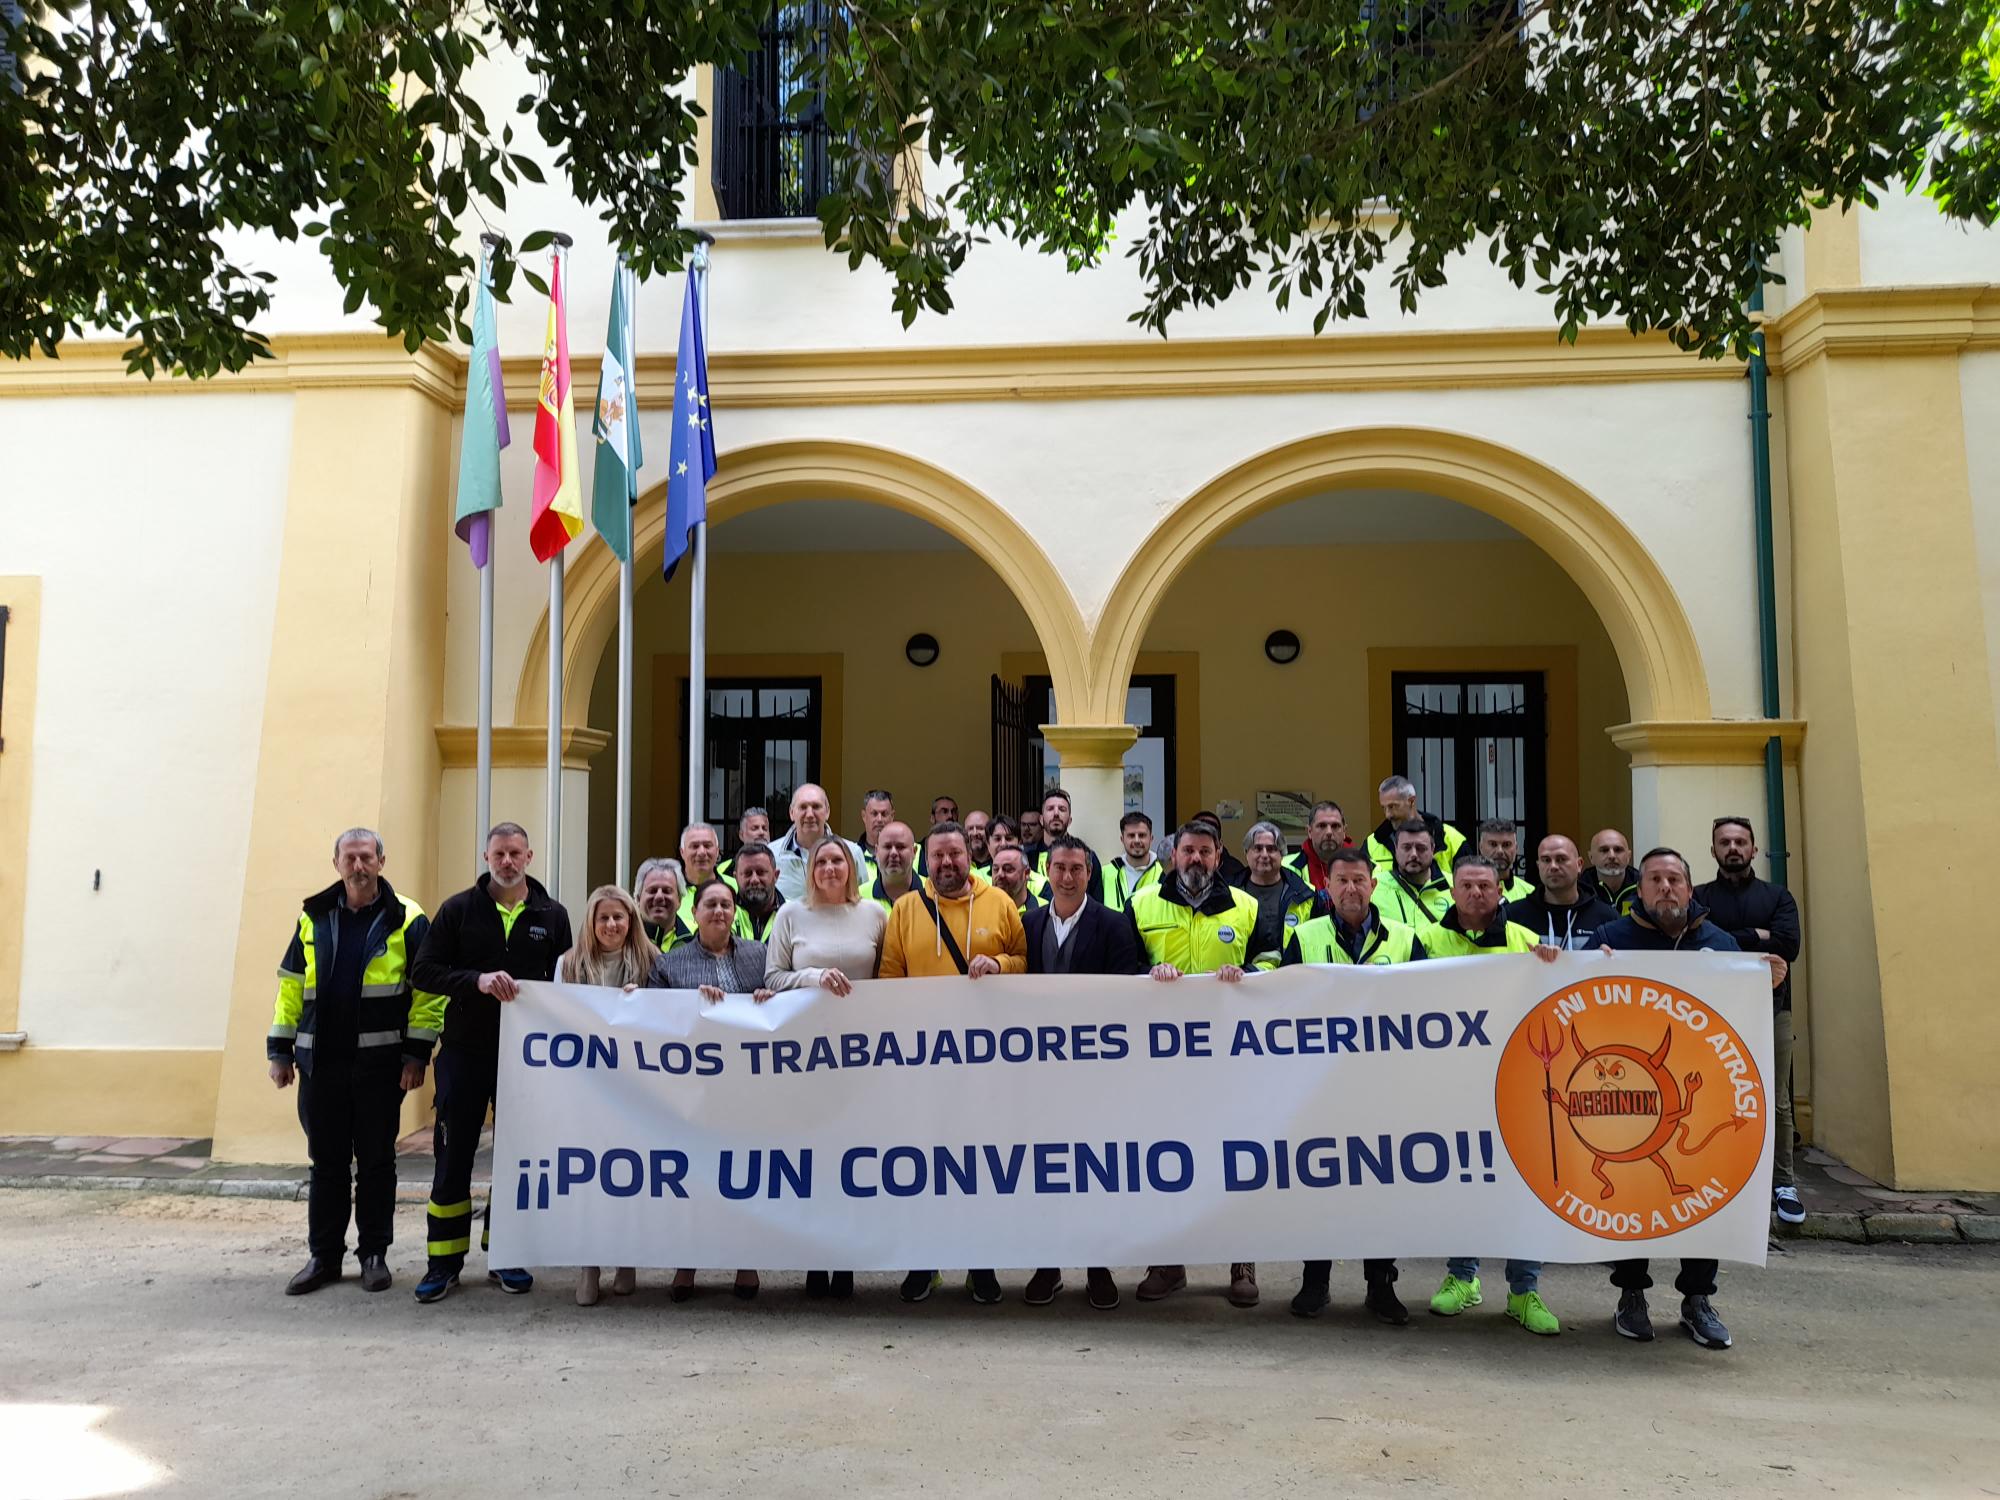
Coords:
1767,585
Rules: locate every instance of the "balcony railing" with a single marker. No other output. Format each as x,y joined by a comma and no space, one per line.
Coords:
771,161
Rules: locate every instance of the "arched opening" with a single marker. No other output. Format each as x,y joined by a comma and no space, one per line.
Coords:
826,559
1463,614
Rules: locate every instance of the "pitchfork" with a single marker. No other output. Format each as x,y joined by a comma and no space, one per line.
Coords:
1546,1049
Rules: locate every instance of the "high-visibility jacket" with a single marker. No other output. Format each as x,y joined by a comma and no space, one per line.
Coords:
666,939
1516,889
1414,906
1197,939
1446,841
751,931
871,890
1112,887
687,899
1301,902
1620,892
1380,942
388,1018
1449,940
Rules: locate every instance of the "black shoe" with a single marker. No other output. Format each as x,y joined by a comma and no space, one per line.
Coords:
1633,1320
816,1284
984,1286
1386,1305
1043,1287
375,1274
1100,1291
918,1285
1310,1300
1701,1324
313,1275
843,1284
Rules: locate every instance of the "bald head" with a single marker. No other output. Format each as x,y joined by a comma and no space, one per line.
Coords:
1611,853
1557,866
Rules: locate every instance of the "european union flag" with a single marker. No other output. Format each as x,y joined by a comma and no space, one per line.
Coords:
691,459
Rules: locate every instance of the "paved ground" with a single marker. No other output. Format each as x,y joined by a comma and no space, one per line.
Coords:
145,1348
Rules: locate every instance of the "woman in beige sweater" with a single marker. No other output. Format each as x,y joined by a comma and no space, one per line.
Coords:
828,941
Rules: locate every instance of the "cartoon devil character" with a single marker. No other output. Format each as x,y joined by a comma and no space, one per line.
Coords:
1623,1105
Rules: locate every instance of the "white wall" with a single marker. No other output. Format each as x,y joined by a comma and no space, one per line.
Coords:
156,527
1905,241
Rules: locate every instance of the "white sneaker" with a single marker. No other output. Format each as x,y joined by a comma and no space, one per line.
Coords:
1785,1202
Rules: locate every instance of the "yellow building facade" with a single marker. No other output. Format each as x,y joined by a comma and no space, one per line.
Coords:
238,621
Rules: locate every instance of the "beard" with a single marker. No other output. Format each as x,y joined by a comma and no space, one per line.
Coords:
1195,882
1668,914
751,898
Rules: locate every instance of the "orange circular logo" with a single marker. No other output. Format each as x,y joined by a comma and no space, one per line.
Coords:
1629,1108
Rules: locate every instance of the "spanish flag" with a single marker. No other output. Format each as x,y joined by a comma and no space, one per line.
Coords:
558,509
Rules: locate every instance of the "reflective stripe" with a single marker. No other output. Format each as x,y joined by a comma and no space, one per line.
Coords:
380,991
421,1034
378,1039
280,1029
290,974
312,992
304,1039
449,1210
449,1247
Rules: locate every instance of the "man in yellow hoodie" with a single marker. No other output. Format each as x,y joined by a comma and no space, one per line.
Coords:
953,922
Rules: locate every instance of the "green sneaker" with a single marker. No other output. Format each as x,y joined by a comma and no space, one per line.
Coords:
1532,1313
1454,1296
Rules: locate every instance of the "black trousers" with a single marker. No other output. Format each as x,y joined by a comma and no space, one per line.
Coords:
464,1091
1372,1271
1697,1277
350,1108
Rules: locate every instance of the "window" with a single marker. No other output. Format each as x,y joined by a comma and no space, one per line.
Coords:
1476,745
772,161
763,741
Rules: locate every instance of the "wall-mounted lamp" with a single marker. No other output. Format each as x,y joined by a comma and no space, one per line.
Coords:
1282,647
921,649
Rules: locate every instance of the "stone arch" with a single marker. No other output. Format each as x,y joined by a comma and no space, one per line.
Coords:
1642,614
769,474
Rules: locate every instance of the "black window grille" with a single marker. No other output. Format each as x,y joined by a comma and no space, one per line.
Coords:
1477,748
772,161
10,20
1416,42
763,740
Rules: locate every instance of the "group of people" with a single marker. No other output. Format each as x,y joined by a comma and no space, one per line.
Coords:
369,985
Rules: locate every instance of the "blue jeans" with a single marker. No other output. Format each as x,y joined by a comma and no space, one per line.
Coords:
1522,1275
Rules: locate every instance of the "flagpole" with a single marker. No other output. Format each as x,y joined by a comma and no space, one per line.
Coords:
553,834
484,774
625,585
698,593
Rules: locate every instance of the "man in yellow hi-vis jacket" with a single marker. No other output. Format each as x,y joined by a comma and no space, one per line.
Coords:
357,1037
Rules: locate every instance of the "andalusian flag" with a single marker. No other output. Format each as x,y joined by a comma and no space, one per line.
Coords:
558,512
614,487
485,432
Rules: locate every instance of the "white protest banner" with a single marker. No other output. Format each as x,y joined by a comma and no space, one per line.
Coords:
1597,1107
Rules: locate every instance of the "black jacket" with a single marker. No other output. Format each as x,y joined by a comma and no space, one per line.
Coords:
1573,926
1741,909
1102,942
1621,893
467,939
